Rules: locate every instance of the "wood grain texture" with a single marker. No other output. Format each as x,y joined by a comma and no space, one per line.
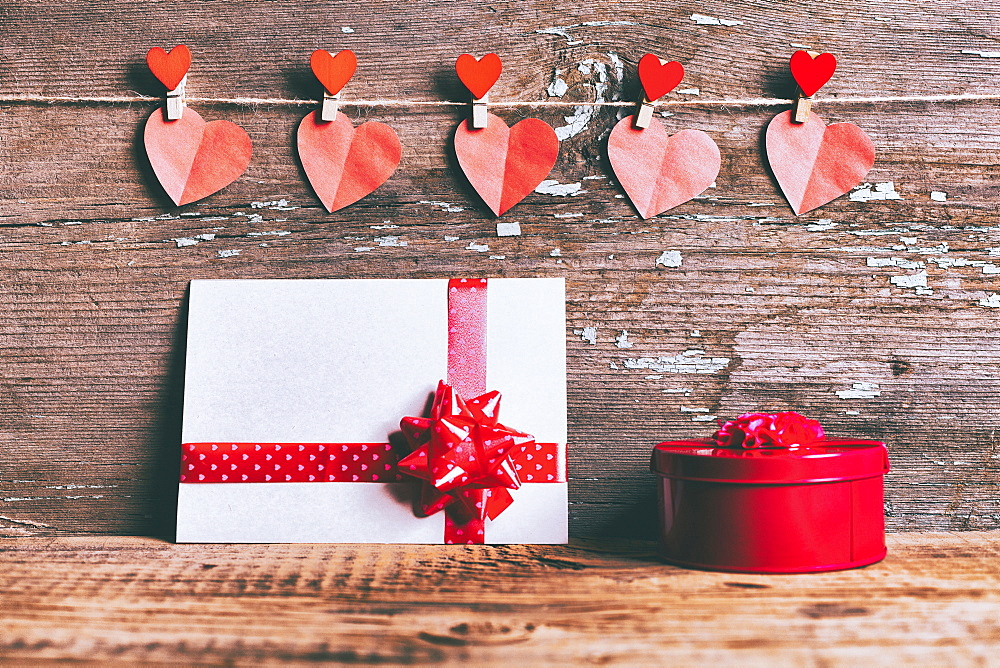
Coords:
94,259
934,601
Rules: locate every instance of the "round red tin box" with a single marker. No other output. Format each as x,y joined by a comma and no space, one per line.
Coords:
772,510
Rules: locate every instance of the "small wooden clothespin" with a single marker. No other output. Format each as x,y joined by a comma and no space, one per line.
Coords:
658,77
333,72
810,70
479,75
175,101
171,69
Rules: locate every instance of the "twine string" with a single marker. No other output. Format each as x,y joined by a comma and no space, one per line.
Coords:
30,98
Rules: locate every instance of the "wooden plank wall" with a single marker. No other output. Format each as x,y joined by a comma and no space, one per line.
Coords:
798,312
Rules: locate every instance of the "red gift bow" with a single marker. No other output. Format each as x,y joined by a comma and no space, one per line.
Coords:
464,454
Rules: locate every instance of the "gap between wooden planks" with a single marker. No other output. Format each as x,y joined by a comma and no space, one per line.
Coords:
934,600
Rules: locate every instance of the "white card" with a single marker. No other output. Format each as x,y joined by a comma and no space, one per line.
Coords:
342,361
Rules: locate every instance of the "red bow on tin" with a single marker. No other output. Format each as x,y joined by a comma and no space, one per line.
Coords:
464,454
787,429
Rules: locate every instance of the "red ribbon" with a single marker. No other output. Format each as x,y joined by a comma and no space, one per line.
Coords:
467,459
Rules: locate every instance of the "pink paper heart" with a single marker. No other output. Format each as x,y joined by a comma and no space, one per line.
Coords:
505,164
344,163
658,171
815,163
193,159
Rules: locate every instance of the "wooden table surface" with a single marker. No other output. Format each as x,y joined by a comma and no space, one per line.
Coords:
935,600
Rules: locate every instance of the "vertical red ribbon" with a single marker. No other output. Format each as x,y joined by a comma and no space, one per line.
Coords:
467,374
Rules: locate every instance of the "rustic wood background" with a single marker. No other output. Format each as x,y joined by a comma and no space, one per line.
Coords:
774,311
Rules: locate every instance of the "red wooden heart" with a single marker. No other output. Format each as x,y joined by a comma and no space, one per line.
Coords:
815,163
344,163
192,158
479,75
505,164
658,78
658,171
811,73
169,68
333,71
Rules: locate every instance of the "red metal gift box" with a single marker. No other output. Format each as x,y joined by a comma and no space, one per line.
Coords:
771,510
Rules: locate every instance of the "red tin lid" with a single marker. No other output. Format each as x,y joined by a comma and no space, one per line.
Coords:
826,461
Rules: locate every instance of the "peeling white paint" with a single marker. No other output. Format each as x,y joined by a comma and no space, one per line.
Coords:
612,365
949,262
822,225
917,280
29,523
909,241
588,334
879,233
703,20
982,54
363,249
555,252
669,259
274,205
689,91
553,187
690,361
939,196
386,225
390,241
990,301
703,418
653,376
686,409
473,246
508,229
695,333
228,253
686,391
563,31
273,233
346,29
183,242
796,45
895,262
880,191
622,340
498,257
445,206
447,238
861,390
722,219
578,121
567,215
618,66
558,86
